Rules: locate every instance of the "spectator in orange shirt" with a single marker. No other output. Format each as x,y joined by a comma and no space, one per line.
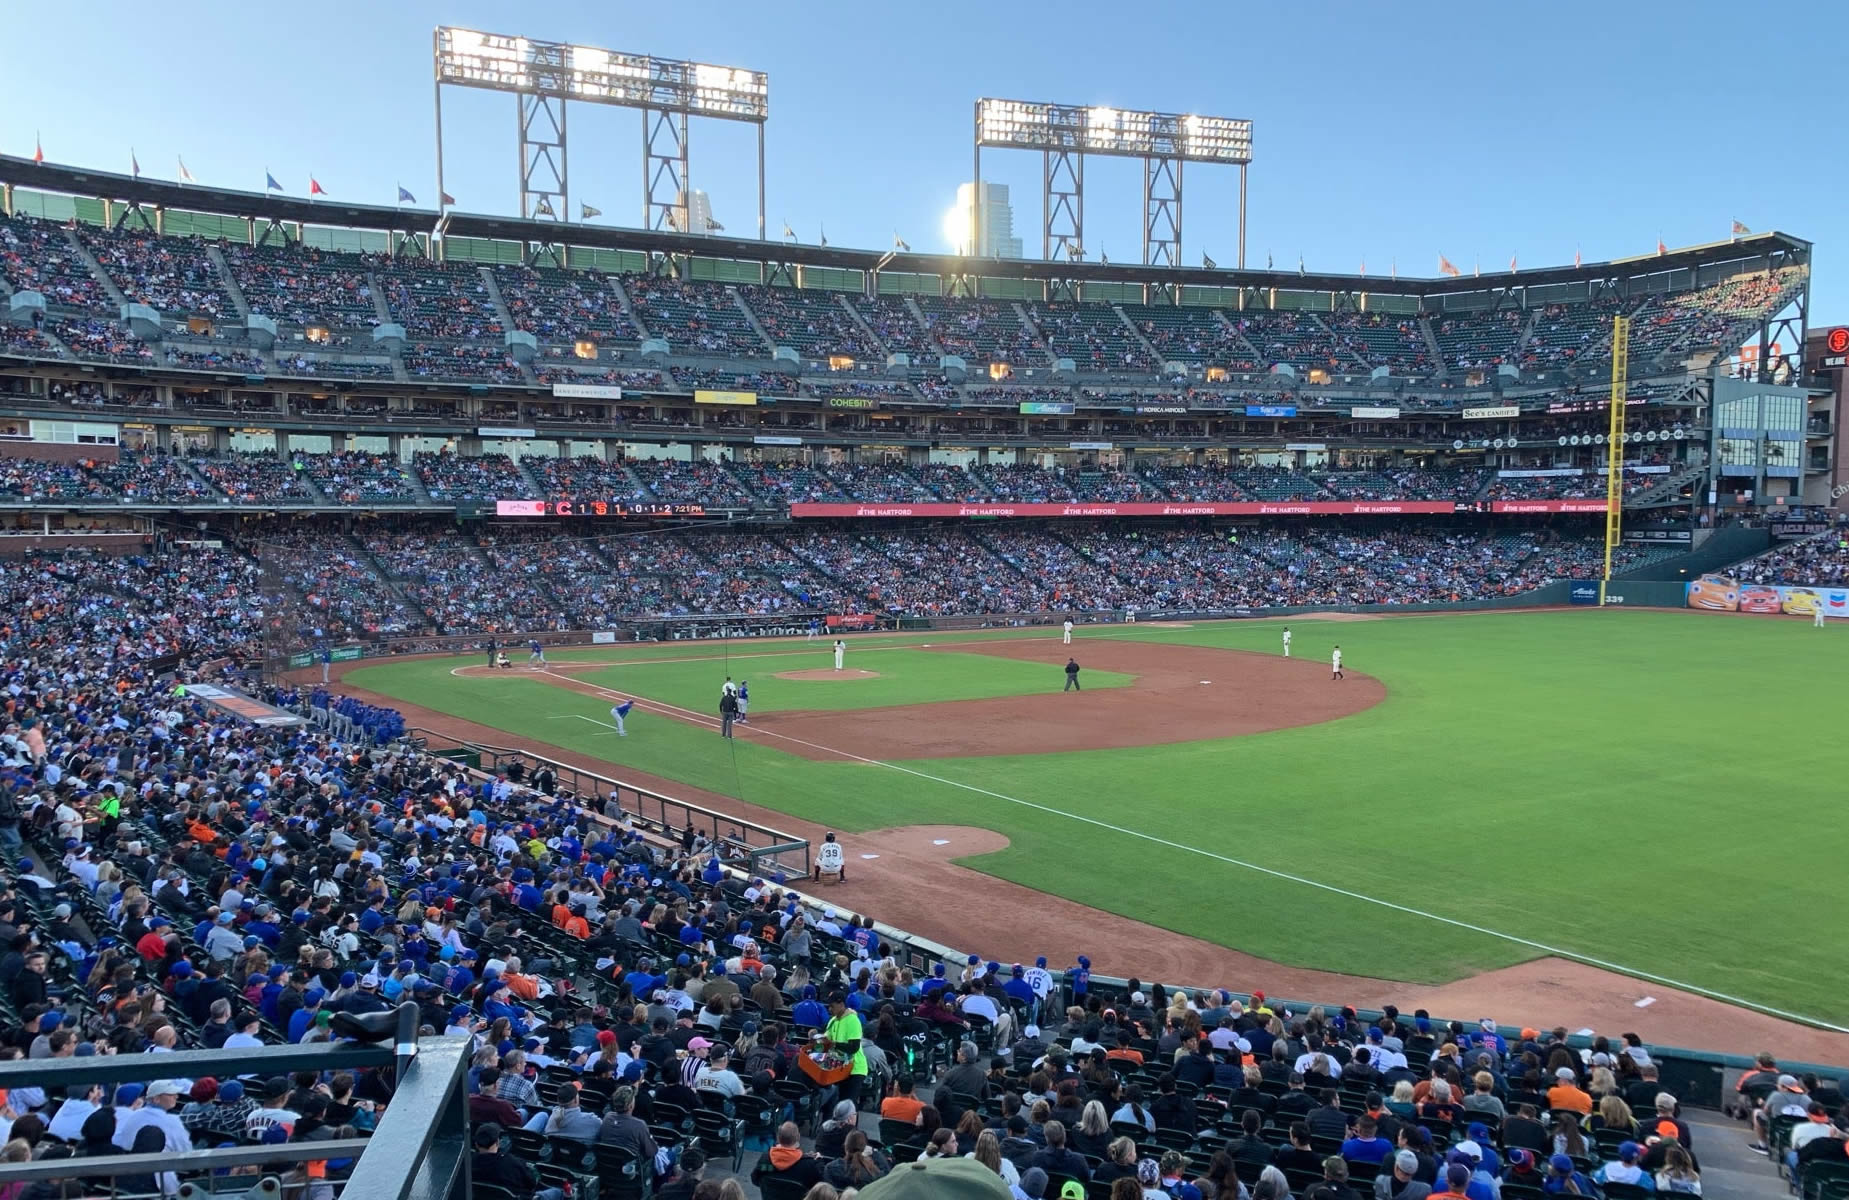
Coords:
575,924
1567,1094
902,1105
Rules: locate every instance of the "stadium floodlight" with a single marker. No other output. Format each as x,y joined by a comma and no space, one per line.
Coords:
543,76
1065,133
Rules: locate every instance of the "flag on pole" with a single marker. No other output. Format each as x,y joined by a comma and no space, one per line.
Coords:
269,181
713,226
315,188
1267,260
1393,268
1511,264
586,211
1447,267
1299,263
1576,256
1208,262
543,208
824,234
134,164
448,200
788,232
1476,267
1364,268
1739,229
898,243
405,197
1661,249
186,176
38,149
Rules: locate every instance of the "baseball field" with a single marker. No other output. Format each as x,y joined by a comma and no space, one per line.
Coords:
1653,792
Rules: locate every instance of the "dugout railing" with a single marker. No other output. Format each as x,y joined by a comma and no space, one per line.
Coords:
767,851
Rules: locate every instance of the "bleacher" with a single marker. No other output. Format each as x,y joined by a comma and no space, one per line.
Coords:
1479,340
1397,343
897,329
811,322
558,306
694,317
38,256
1184,333
1091,335
447,301
980,331
173,275
300,287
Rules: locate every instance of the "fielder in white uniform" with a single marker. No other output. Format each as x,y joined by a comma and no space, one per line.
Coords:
840,653
1335,661
617,714
1287,641
1816,620
1067,639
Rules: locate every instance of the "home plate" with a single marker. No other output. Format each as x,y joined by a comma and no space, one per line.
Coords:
1646,1002
869,856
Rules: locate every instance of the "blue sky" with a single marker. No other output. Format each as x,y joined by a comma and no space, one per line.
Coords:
1383,133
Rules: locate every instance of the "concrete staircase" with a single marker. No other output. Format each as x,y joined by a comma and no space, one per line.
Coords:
622,297
96,268
1250,349
227,280
1136,335
1431,342
1034,331
757,326
860,322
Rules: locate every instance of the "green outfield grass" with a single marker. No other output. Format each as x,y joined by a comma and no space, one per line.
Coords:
905,677
1653,789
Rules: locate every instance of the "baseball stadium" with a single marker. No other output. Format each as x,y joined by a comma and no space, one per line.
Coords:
525,707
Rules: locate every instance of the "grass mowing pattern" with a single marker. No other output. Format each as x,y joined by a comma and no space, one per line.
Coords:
1651,788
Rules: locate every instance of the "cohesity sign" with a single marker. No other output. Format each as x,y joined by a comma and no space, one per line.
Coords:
1308,508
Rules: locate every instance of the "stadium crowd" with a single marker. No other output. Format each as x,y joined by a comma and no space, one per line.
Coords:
179,879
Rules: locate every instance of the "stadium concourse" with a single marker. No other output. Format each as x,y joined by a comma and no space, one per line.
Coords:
179,877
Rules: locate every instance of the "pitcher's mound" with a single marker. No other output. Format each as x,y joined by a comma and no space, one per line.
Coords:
826,673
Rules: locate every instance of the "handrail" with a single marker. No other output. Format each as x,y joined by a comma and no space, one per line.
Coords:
658,811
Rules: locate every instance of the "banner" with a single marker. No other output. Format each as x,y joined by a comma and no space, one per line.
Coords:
772,439
1680,537
853,621
1722,593
1046,408
343,653
586,391
1583,593
1491,413
1088,445
1374,414
1316,508
519,508
1547,506
738,399
498,431
1150,410
1271,410
603,637
851,402
1541,473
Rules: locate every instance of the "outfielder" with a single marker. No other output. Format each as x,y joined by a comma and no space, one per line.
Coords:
1335,662
1287,641
1067,638
840,653
618,713
537,657
1816,620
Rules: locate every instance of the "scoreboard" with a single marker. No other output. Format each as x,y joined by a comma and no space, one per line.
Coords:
593,506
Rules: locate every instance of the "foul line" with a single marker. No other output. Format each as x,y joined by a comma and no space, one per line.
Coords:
1543,947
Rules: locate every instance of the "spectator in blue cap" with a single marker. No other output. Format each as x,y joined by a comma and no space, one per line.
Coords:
1564,1178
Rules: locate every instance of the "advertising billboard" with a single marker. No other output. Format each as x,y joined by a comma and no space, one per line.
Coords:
738,399
1723,593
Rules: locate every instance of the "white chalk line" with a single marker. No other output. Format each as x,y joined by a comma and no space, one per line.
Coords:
1515,939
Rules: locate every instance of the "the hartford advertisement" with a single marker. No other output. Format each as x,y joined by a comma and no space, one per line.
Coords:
1255,508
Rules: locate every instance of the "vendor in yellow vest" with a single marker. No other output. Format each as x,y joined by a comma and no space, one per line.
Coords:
842,1035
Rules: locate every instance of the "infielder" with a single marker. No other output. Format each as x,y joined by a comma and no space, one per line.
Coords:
730,688
1067,638
1287,641
1335,662
840,653
744,701
618,713
537,657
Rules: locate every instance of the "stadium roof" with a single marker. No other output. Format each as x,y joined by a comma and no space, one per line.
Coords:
267,206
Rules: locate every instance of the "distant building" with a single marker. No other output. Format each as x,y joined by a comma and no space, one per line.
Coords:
698,216
998,240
